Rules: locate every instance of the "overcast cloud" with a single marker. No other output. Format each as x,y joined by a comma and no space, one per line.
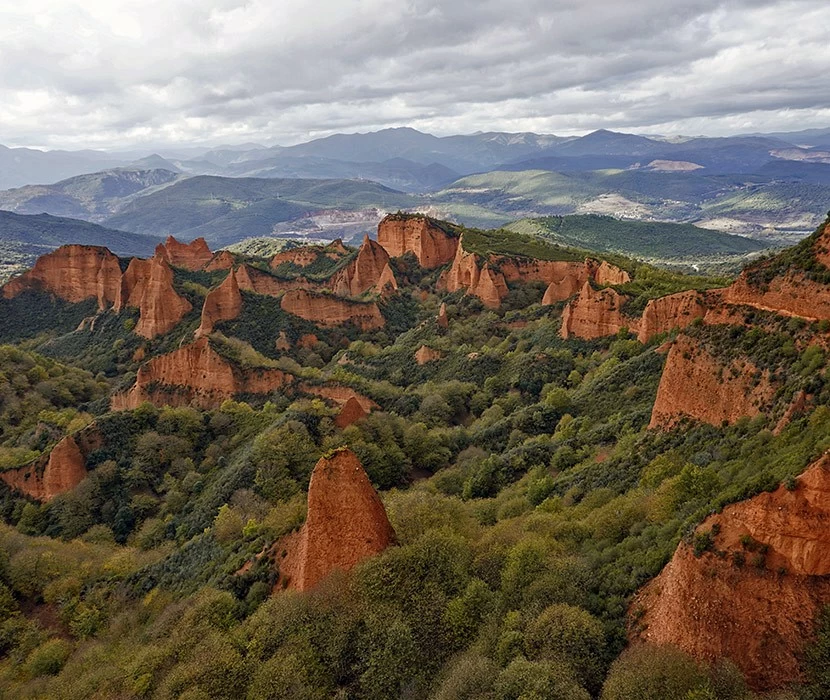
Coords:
121,73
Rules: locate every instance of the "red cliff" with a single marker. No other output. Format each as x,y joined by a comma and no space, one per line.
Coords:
223,260
754,597
608,274
667,313
417,234
427,354
346,523
329,310
252,279
351,412
191,256
595,313
442,320
61,471
471,272
364,272
160,307
196,375
221,304
695,384
73,273
791,294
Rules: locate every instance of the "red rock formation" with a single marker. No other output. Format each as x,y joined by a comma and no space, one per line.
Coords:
608,274
346,523
191,256
328,310
221,304
351,412
364,272
469,271
697,385
223,260
594,314
132,284
196,375
59,471
73,273
252,279
282,343
798,406
667,313
417,234
760,614
339,394
387,282
792,294
160,308
426,354
441,319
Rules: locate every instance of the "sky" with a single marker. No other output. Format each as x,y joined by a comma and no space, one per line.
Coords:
118,74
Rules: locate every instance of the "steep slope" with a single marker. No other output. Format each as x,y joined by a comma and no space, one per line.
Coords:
753,597
432,244
221,304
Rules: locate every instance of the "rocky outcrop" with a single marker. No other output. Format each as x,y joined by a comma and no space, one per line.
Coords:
364,272
160,307
221,304
792,294
329,310
595,313
442,320
196,375
695,384
252,279
191,256
426,354
754,597
670,312
351,412
73,273
306,255
607,274
419,235
223,260
471,272
59,471
339,394
346,523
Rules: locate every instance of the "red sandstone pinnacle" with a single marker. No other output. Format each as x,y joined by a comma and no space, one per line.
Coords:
191,256
364,272
223,260
595,313
442,320
160,308
346,523
426,354
417,234
759,614
351,412
222,304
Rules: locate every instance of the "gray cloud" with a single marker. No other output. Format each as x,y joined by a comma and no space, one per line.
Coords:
77,73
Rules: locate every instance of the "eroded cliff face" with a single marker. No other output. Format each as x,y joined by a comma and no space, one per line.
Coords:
221,304
351,412
760,613
73,273
339,395
303,256
417,234
792,294
191,256
196,375
471,272
667,313
329,310
695,384
426,354
346,523
160,307
369,270
607,274
59,471
223,260
595,313
253,280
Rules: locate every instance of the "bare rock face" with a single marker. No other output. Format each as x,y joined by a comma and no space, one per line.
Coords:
160,307
223,260
758,614
792,294
191,256
222,304
339,395
251,279
426,354
608,274
351,412
417,234
133,283
594,314
697,385
73,273
387,284
196,375
346,523
329,310
59,471
364,272
667,313
471,272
